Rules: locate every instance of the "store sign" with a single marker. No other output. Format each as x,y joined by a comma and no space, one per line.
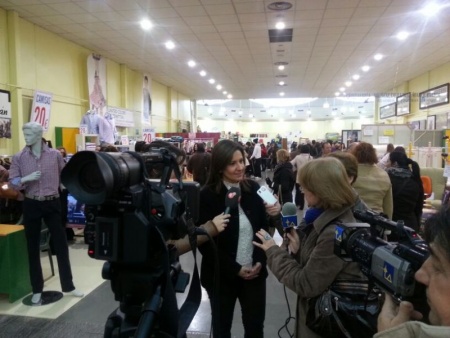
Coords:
148,134
5,104
40,111
122,117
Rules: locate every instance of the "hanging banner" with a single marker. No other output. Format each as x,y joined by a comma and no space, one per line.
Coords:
146,98
148,134
122,117
40,111
5,114
96,69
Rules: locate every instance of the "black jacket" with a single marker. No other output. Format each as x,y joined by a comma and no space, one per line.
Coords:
211,205
284,177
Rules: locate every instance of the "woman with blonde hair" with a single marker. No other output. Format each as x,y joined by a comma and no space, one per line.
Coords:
311,267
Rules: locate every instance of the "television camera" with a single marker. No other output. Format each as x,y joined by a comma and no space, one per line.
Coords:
132,209
389,265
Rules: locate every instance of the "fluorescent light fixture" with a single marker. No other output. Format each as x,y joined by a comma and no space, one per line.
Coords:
281,83
348,83
170,45
212,81
280,25
365,68
284,102
202,73
355,77
402,35
378,57
431,9
281,67
342,89
146,24
218,87
191,63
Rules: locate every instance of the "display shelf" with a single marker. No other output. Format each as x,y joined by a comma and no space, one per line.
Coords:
87,141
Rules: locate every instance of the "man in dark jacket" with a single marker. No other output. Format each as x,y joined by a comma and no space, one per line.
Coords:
199,164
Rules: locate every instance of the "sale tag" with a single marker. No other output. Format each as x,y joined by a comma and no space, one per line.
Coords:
148,134
83,129
124,140
40,111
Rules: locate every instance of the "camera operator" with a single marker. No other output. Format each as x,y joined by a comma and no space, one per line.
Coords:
393,320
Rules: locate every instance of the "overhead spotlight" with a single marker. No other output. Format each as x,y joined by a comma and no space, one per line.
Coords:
170,45
146,24
281,83
229,96
355,77
202,73
402,35
224,92
218,87
280,67
378,57
280,25
342,89
212,81
282,94
337,94
348,83
365,68
191,63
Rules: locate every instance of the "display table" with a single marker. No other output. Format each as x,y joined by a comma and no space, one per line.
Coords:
14,274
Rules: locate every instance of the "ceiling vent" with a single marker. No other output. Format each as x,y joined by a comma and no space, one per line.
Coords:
281,76
280,6
281,63
280,35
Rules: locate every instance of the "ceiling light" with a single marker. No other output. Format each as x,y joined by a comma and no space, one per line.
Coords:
170,45
230,96
281,67
355,77
342,89
365,68
224,92
378,57
431,9
348,83
146,24
402,35
281,83
280,25
202,73
218,87
191,63
326,105
337,94
212,81
282,94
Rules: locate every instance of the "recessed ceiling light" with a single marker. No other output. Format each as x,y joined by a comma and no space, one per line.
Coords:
355,77
378,57
218,87
146,24
224,92
337,94
230,96
170,45
202,73
212,81
281,83
348,83
342,89
281,67
431,9
280,25
365,68
191,63
282,94
402,35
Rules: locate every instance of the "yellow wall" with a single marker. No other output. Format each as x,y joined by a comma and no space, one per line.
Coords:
50,63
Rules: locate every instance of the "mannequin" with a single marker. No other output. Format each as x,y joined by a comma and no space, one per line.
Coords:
36,170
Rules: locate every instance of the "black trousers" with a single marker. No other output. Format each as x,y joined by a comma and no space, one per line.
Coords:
257,167
33,214
299,197
252,298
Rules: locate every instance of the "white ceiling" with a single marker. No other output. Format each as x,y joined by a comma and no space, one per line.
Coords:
332,39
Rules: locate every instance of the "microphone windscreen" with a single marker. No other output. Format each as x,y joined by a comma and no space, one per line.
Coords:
232,197
289,209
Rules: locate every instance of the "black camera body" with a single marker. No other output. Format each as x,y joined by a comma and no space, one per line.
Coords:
390,265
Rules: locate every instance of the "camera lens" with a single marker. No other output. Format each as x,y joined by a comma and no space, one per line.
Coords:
91,179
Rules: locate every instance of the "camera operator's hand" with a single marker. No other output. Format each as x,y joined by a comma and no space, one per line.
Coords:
221,221
293,241
31,177
392,315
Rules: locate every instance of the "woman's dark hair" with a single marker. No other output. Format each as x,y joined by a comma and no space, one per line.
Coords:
63,151
109,149
200,147
138,146
365,153
437,230
401,149
221,157
402,161
304,149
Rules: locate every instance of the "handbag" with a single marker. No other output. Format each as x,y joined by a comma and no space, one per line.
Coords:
345,309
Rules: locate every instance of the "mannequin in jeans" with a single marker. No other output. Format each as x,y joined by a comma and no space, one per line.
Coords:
36,170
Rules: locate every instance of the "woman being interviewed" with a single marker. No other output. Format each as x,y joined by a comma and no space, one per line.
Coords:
242,267
313,267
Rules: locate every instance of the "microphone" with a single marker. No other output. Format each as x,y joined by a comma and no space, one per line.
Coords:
289,216
232,199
